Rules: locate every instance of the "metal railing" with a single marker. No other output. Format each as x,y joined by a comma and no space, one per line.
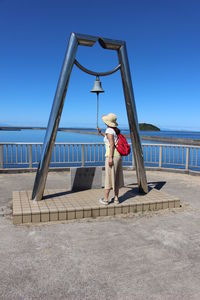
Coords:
27,155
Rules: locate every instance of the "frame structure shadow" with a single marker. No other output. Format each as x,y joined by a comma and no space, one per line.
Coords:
55,195
133,192
158,185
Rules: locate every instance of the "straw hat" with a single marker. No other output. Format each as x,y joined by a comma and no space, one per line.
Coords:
110,120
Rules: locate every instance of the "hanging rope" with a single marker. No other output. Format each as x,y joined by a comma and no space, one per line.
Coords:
97,110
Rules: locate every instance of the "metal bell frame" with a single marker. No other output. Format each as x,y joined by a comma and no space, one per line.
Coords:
76,40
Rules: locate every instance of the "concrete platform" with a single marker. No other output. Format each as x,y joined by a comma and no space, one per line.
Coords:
153,255
59,205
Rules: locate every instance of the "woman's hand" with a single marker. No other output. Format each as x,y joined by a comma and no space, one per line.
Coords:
100,132
110,161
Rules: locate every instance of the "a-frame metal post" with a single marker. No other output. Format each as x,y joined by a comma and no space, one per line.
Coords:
132,119
85,40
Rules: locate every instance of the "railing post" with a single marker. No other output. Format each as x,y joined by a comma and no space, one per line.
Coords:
83,155
30,157
1,156
187,159
160,157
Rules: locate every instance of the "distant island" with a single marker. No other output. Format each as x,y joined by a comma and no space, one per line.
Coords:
148,127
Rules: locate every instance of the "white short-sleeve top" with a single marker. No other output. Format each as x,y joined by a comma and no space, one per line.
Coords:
106,141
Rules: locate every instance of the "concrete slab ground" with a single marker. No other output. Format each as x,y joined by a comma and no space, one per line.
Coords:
154,255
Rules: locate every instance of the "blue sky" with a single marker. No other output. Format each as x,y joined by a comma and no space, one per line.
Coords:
164,54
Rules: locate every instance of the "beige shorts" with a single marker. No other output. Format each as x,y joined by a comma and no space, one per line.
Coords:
114,175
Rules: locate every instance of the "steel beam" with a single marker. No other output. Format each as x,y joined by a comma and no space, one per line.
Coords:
54,119
132,119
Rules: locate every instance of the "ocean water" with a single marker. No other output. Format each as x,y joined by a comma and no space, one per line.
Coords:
173,134
71,137
38,136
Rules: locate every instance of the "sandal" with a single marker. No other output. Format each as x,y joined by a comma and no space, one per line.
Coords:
116,201
103,201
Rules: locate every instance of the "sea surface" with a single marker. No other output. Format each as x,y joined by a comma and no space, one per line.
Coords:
72,137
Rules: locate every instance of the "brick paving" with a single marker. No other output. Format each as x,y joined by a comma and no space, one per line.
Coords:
59,205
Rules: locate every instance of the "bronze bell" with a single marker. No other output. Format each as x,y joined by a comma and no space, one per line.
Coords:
97,88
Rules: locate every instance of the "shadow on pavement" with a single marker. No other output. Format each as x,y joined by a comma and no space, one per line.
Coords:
57,195
134,190
156,185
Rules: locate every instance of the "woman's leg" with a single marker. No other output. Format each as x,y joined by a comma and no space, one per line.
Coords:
119,182
106,194
107,180
116,193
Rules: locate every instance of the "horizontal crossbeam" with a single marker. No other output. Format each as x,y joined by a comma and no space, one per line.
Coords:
96,73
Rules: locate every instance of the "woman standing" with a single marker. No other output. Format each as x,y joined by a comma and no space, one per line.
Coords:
113,160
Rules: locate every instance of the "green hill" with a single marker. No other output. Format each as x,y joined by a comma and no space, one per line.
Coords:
148,127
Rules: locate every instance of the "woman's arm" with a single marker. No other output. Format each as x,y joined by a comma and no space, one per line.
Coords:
110,138
100,132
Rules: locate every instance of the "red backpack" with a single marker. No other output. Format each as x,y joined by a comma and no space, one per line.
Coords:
122,145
